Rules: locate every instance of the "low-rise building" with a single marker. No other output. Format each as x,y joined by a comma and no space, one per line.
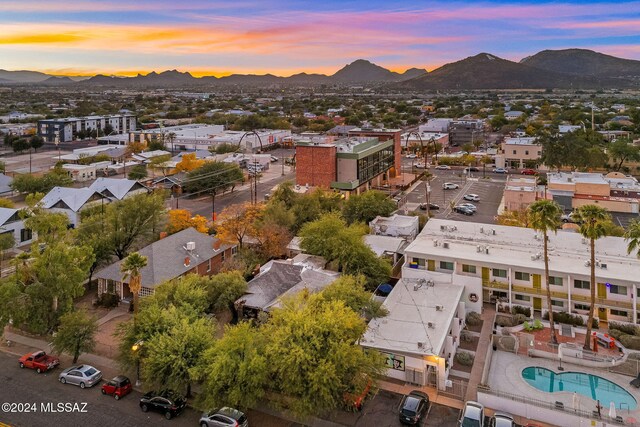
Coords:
520,152
413,141
67,129
463,132
395,225
71,201
11,222
520,192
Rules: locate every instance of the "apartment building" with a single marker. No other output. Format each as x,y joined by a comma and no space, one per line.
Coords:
509,264
66,130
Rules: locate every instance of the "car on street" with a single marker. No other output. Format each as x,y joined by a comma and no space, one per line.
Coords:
419,166
413,407
274,159
463,210
570,218
82,375
471,169
39,360
450,186
443,167
224,417
472,197
118,387
166,402
469,206
430,206
500,170
500,419
528,172
412,156
472,415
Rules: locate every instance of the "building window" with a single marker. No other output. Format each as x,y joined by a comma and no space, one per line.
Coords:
234,250
557,303
446,265
522,276
419,262
617,289
555,280
584,307
145,292
514,151
519,297
497,272
526,153
615,312
209,263
466,268
26,234
581,284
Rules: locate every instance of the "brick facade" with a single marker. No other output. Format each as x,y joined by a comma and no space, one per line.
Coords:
316,165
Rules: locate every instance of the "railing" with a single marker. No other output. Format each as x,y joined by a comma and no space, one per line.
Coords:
604,301
397,268
494,284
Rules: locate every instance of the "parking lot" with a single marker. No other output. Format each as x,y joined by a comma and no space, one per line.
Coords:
490,192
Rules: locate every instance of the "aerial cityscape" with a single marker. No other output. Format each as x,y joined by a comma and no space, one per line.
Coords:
347,214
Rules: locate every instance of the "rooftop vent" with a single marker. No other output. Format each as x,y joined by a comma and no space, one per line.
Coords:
603,266
587,263
420,344
435,242
191,246
439,307
187,261
445,245
431,325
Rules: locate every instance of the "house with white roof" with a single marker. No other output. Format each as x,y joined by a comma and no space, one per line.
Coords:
396,226
71,201
118,188
11,222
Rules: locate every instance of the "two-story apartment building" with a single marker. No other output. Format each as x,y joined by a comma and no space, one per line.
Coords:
509,264
519,152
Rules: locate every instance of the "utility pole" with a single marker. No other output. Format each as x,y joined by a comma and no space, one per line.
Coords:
593,123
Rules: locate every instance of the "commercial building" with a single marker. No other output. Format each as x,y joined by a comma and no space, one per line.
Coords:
614,191
351,164
519,193
509,265
66,130
440,125
463,132
384,135
411,141
519,153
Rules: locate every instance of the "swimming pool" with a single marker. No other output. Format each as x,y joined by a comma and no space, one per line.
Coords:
592,386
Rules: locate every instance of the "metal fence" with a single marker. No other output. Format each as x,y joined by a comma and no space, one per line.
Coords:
457,389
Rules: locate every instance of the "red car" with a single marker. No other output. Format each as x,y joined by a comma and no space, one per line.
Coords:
119,387
40,361
528,172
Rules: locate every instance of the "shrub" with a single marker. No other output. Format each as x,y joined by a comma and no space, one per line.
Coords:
595,324
616,333
473,318
631,342
566,318
504,321
108,300
537,324
466,336
624,328
518,309
519,319
464,358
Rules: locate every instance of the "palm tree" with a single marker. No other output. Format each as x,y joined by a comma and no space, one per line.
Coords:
592,220
131,267
545,216
632,235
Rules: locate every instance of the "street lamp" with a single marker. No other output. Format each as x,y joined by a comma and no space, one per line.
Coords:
135,348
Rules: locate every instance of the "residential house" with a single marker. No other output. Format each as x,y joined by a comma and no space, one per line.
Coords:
71,201
5,184
396,225
118,188
11,222
185,252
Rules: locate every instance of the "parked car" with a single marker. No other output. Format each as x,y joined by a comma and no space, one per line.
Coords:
463,210
224,417
419,166
413,407
39,360
443,167
354,399
431,206
412,156
274,159
166,402
500,419
118,387
528,172
472,415
82,375
469,206
471,169
472,197
450,186
500,170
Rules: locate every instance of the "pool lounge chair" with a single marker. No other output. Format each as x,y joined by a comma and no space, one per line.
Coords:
636,382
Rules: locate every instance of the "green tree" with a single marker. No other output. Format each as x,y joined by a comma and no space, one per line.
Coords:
224,289
545,216
49,226
622,151
131,269
234,371
36,142
213,178
7,241
20,145
33,184
367,206
11,295
224,148
138,172
351,290
6,203
286,194
76,334
592,219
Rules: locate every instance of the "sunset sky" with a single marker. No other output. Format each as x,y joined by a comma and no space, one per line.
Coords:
285,37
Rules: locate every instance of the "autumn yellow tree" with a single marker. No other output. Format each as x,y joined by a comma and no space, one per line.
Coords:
188,163
236,222
180,219
273,239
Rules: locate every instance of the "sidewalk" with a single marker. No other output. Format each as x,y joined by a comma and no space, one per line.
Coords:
488,314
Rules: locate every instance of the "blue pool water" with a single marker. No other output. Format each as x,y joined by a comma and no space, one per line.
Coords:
592,386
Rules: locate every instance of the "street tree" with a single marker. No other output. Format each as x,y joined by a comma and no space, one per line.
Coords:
592,219
236,222
367,206
223,290
622,151
161,163
188,163
20,145
132,270
545,216
137,172
36,142
181,219
213,178
33,184
76,334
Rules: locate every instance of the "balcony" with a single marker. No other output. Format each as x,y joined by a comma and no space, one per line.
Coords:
604,302
494,284
538,291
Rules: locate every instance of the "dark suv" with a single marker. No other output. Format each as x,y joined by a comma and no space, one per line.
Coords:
166,402
413,406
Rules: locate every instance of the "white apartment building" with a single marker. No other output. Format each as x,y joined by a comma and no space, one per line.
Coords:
66,130
509,264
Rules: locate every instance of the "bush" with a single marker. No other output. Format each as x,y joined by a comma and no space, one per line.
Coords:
519,319
566,318
473,318
108,300
464,358
631,342
518,309
616,333
504,321
624,328
466,336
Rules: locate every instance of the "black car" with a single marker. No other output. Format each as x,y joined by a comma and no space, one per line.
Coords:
463,210
432,206
471,169
413,407
166,402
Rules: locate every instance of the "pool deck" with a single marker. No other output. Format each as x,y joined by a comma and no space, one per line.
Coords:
506,375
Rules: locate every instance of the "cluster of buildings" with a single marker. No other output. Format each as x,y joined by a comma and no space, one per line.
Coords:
68,129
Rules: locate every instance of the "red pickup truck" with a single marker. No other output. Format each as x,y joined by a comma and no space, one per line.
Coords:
40,361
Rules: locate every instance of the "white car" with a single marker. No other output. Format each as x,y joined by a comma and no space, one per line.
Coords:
412,156
443,167
450,186
419,165
472,197
274,159
82,375
472,415
469,206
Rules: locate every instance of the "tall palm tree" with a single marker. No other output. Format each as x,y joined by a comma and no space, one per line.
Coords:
545,216
592,220
632,235
131,267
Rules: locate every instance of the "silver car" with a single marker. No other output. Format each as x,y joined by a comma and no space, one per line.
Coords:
224,417
82,375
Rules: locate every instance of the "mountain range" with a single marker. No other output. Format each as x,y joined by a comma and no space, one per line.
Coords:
565,69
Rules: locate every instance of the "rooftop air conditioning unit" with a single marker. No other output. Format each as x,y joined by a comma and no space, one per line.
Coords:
191,246
534,257
443,228
587,263
453,228
420,344
445,245
478,248
435,242
439,307
486,250
481,229
603,266
431,325
493,231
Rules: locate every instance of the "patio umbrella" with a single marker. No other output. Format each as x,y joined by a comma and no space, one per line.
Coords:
612,410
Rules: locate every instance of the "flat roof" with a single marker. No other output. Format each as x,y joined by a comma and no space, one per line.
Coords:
579,177
521,141
412,305
519,247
